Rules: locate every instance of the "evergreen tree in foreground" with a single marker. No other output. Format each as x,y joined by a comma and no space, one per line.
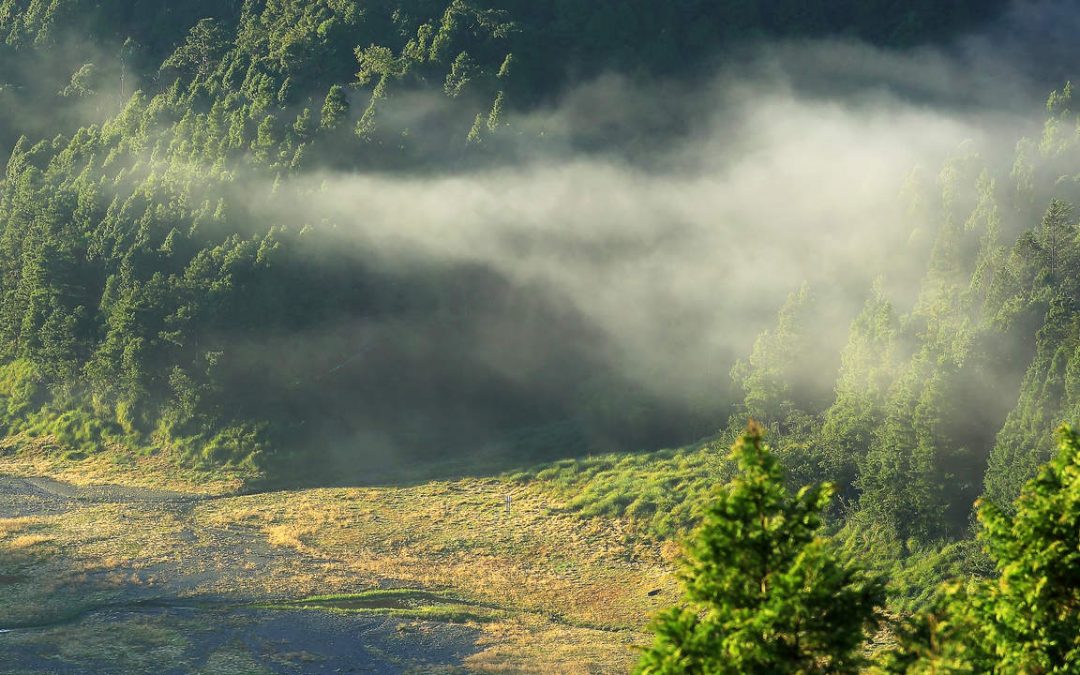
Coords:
1027,619
764,591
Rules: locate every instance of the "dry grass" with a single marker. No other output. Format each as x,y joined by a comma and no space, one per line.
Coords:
87,557
290,535
571,593
531,645
26,541
9,527
577,590
32,457
455,535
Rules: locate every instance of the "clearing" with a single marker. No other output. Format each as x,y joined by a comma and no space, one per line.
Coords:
187,577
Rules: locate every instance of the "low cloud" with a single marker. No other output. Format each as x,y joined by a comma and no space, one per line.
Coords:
660,226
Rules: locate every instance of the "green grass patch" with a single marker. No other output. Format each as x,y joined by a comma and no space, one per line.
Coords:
662,491
403,602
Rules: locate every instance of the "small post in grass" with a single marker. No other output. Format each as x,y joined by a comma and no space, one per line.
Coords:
508,500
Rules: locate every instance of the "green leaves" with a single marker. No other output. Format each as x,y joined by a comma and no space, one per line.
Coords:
1033,622
776,383
202,49
1027,618
764,591
335,108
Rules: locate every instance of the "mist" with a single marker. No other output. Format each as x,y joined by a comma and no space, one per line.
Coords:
585,275
647,233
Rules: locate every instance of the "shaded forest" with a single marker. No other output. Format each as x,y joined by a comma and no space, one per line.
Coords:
149,301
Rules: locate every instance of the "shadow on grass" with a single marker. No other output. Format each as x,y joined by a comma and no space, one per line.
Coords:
522,451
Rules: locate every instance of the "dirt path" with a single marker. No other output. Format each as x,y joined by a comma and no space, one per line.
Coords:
20,498
39,496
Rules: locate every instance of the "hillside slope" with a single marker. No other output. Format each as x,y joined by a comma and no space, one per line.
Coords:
160,291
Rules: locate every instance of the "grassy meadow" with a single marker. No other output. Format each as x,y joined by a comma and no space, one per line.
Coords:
564,582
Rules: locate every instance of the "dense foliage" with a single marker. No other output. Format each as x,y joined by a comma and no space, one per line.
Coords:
1025,616
930,398
765,591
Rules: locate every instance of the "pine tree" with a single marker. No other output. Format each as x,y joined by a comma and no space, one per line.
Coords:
774,382
764,591
867,370
1026,619
335,108
1056,234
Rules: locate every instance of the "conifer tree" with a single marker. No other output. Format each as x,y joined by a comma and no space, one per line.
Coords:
774,379
765,592
335,108
1026,618
867,371
1056,234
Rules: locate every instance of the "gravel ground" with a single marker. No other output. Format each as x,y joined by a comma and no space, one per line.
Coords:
20,497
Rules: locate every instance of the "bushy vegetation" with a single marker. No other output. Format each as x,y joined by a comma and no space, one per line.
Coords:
765,592
661,491
1023,617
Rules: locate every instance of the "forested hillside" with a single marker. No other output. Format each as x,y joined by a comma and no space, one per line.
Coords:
149,300
968,380
172,283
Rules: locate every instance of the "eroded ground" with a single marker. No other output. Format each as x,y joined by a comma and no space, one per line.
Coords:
431,578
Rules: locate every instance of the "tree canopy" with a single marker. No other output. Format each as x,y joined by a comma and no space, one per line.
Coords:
765,591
